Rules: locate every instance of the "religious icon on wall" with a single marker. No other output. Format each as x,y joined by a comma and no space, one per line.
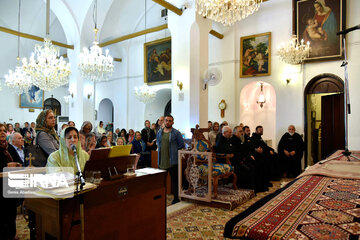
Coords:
157,59
34,98
255,55
318,21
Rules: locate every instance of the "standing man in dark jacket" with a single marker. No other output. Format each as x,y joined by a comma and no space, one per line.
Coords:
169,141
290,149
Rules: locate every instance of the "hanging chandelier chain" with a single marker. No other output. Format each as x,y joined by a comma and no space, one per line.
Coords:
18,42
95,14
47,18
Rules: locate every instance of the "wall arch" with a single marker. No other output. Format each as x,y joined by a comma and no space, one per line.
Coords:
252,114
156,108
106,111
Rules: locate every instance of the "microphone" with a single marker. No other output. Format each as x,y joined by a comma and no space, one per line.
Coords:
73,147
348,30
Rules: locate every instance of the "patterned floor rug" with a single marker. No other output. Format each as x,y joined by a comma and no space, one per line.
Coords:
197,222
227,198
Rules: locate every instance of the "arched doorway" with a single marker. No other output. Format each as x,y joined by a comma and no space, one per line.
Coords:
324,117
252,114
53,104
106,111
160,106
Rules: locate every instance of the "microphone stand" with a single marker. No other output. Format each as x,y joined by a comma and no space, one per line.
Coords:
347,109
81,180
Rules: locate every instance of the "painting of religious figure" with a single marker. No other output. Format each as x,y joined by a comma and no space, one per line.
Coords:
157,59
317,22
255,55
34,98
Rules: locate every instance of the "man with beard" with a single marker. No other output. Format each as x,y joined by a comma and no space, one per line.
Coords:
269,155
169,141
259,164
244,161
290,149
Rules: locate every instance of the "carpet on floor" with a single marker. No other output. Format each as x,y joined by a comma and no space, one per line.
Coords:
227,198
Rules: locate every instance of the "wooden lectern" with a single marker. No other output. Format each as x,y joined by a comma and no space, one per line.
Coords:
125,208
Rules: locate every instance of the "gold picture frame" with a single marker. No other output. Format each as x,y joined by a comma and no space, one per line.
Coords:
33,98
255,55
318,22
157,61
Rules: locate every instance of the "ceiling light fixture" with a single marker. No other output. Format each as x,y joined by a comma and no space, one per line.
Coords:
93,65
47,69
227,12
261,99
294,52
18,80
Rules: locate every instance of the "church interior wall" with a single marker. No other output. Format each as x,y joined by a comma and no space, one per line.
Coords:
273,16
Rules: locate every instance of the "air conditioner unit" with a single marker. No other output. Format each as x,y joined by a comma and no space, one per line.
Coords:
61,120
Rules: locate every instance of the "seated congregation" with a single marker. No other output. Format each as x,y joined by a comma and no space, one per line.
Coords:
246,161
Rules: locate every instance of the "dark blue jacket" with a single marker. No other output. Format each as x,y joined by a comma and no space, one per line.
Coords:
176,143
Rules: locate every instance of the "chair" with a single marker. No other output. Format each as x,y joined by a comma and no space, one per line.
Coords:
219,170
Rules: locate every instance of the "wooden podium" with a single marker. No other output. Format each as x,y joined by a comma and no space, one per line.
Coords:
125,208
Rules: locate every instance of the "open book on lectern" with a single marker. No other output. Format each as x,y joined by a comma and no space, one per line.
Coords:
111,161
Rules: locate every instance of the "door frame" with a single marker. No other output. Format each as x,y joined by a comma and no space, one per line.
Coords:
322,83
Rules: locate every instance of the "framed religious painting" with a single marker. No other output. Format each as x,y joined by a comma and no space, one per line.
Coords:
317,22
255,55
34,98
157,60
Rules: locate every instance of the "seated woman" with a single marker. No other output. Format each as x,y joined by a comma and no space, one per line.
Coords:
119,141
102,142
64,157
85,129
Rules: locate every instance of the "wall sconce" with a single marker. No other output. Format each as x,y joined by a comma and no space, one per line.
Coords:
261,99
288,80
89,95
180,85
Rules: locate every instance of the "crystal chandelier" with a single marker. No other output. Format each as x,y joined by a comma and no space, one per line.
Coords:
294,52
18,80
261,99
46,69
227,12
93,65
145,94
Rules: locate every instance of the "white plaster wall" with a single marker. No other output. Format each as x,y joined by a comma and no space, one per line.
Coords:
276,17
11,112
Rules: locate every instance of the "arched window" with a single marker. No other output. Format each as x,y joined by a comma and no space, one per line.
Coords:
53,104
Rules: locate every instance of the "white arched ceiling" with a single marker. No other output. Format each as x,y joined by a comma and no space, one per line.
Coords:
252,114
33,15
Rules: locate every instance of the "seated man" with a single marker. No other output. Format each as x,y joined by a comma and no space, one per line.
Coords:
291,148
244,166
270,157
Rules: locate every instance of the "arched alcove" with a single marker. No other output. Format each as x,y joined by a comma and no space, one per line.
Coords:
156,108
106,111
252,114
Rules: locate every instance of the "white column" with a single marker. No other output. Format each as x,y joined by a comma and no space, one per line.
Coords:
189,39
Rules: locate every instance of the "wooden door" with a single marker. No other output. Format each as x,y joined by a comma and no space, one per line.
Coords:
332,124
